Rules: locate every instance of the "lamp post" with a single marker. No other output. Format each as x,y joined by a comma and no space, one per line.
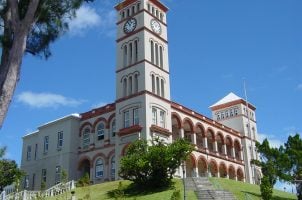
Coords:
183,178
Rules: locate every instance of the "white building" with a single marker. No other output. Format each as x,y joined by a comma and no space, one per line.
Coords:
93,142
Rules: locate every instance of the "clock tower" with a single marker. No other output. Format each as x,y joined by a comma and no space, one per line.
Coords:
143,108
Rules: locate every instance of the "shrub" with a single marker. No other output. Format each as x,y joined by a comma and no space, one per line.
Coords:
266,188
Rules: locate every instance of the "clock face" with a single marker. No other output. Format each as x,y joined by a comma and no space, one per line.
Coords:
130,25
155,25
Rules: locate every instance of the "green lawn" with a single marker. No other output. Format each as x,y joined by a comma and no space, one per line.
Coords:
104,191
239,189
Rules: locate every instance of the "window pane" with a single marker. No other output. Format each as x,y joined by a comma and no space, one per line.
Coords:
154,116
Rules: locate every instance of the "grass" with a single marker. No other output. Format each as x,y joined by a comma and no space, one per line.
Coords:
106,191
239,189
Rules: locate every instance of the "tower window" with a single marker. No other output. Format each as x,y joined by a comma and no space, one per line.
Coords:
130,53
156,13
123,14
138,7
135,83
149,7
156,54
162,88
152,52
135,51
133,10
128,12
130,85
152,10
154,116
126,119
135,116
125,87
153,83
161,16
162,118
125,55
161,56
157,86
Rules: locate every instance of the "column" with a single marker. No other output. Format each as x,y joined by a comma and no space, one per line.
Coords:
205,142
224,149
182,133
215,147
233,152
195,171
193,138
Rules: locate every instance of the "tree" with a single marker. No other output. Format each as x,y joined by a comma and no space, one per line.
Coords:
153,165
9,171
28,26
273,163
293,150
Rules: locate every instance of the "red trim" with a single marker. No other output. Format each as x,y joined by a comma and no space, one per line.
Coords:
83,126
126,3
141,29
98,111
130,130
233,103
160,130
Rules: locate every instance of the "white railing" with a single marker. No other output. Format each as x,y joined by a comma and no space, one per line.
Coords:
31,195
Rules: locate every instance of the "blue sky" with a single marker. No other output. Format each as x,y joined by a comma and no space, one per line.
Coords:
213,46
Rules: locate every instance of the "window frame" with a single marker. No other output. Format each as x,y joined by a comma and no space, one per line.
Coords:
60,139
86,138
99,168
46,144
135,116
101,131
126,119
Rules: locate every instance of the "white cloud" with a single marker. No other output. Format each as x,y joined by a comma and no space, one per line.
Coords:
86,18
273,141
46,100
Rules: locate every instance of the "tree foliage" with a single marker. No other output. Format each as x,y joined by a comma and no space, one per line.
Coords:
293,150
28,26
9,171
155,164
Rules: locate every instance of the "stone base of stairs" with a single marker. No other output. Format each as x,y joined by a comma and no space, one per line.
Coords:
205,190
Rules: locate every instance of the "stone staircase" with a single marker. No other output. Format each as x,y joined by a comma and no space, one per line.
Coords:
204,189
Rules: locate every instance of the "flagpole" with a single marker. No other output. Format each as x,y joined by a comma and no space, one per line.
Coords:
249,130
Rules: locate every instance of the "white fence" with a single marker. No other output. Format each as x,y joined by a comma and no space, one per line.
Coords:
10,194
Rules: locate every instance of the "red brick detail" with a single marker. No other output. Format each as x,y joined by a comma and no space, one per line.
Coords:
160,130
130,130
98,111
110,120
100,119
189,121
178,119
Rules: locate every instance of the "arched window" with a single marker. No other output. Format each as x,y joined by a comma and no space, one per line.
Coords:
156,13
113,128
161,62
138,7
157,86
130,85
133,10
86,138
125,55
152,10
162,84
161,16
99,168
130,53
125,87
128,12
113,166
123,14
135,83
135,51
153,83
101,131
156,54
152,52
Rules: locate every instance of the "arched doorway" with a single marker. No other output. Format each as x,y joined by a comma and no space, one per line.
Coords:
84,167
176,126
232,173
211,139
240,176
202,167
213,168
223,170
199,136
190,167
